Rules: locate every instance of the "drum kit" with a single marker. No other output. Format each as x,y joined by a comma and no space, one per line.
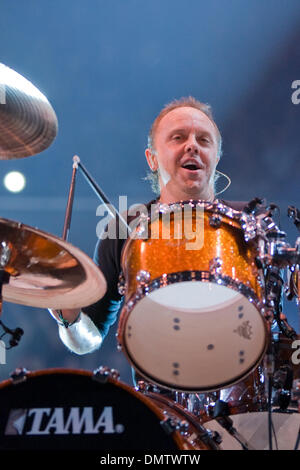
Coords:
217,362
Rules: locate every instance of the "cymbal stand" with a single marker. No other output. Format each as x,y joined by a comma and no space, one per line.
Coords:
100,194
110,208
4,279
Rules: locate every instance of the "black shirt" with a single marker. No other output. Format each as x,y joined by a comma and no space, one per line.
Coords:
107,256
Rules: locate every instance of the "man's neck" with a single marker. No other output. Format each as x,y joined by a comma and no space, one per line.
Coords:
166,197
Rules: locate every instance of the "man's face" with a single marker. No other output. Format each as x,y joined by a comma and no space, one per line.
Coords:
186,149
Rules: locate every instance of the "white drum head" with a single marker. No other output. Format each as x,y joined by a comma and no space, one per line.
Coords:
195,336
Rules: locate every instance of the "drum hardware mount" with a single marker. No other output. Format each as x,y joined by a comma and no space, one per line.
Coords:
294,214
143,278
174,424
221,414
275,380
282,383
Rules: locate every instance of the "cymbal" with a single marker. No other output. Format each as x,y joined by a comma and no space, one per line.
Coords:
46,271
28,123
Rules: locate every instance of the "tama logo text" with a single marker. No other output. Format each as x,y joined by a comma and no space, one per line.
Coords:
57,421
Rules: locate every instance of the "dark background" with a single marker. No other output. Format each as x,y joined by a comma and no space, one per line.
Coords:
107,67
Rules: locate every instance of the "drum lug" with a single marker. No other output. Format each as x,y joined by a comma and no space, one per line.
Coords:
121,284
143,277
19,375
142,386
215,266
168,425
215,221
249,227
103,373
172,424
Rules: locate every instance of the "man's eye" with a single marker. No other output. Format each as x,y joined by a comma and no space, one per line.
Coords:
177,137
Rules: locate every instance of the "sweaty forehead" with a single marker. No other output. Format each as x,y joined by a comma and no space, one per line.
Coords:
185,117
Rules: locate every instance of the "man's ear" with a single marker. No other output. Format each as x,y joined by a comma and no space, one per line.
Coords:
151,159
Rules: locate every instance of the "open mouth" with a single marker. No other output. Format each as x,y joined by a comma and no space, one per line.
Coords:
191,166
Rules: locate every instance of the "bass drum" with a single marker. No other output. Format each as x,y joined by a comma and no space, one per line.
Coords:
62,409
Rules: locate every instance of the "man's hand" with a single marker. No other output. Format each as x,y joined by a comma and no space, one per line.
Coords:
81,336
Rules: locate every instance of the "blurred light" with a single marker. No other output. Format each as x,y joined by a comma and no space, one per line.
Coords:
14,181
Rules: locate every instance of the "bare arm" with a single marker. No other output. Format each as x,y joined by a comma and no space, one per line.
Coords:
82,336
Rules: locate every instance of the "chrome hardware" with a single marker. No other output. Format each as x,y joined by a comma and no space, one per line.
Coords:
19,375
121,284
215,266
172,424
249,226
215,221
142,386
143,277
168,425
5,254
103,373
141,231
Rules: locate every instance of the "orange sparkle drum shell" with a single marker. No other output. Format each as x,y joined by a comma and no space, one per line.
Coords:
159,256
192,300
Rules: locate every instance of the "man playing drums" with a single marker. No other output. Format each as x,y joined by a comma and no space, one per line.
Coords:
184,148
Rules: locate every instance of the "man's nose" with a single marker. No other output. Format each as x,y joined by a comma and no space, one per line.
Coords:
192,145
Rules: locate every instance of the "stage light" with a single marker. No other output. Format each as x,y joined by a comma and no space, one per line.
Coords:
14,181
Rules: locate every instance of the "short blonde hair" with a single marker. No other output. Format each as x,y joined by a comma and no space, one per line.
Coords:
190,102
